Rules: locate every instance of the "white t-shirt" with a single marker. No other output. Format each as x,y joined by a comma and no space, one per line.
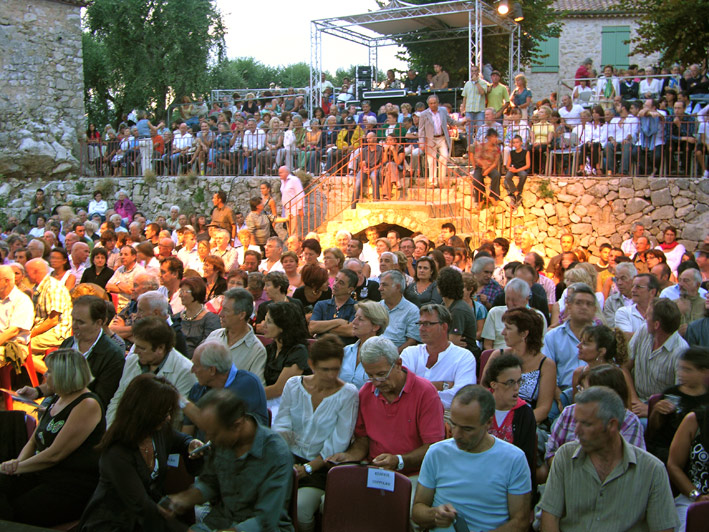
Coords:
572,117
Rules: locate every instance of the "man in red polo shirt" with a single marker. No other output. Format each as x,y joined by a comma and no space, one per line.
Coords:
400,414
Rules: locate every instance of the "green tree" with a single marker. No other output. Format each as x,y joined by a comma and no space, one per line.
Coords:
540,22
677,29
98,97
155,50
241,73
295,75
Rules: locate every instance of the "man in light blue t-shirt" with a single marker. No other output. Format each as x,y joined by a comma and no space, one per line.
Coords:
473,477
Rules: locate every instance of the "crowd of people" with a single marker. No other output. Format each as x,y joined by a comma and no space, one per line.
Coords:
156,337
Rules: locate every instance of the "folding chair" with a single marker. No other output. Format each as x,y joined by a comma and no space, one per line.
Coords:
347,494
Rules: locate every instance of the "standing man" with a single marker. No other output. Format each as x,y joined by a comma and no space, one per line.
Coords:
403,314
497,94
52,310
222,215
449,487
122,281
591,479
486,160
291,199
434,138
474,93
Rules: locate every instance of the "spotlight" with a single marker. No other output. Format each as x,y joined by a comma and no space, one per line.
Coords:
503,7
517,13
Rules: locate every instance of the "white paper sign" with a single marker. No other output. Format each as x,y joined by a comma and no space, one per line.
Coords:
173,460
380,479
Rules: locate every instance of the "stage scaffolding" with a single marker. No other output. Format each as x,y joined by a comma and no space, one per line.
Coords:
399,23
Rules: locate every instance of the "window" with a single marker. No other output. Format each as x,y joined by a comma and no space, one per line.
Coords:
614,46
550,49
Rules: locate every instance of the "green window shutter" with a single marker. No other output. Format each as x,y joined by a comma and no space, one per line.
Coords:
549,48
614,46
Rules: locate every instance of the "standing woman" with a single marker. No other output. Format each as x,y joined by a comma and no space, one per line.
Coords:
98,273
521,96
269,204
146,130
316,417
93,140
424,288
52,479
59,261
134,460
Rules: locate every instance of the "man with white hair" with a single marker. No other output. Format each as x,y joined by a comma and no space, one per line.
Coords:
628,246
689,302
674,292
214,369
274,250
222,248
291,198
155,303
400,414
403,314
367,289
517,295
483,268
625,272
52,321
16,311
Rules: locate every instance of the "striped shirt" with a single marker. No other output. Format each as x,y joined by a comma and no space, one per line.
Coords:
180,141
52,296
655,370
635,497
564,431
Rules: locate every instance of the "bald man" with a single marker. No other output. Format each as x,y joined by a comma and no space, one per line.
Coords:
52,322
16,310
79,259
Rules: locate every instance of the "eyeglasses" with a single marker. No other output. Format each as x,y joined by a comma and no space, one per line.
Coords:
381,379
510,383
427,323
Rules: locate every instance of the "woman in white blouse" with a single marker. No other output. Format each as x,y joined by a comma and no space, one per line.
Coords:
316,417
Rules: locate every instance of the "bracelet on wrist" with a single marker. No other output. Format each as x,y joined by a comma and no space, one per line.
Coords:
39,391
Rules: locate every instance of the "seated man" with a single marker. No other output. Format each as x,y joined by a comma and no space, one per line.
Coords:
447,366
633,318
214,370
517,294
222,248
248,479
246,351
122,281
52,308
698,330
123,322
400,414
602,466
483,268
274,250
625,272
16,313
448,486
537,298
403,314
335,316
366,289
153,340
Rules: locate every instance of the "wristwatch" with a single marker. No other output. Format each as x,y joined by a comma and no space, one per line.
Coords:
308,469
694,495
400,465
446,386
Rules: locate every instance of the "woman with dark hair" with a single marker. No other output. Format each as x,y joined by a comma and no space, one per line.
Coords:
523,333
145,252
689,461
54,475
437,256
287,355
463,330
289,261
424,289
197,321
98,273
93,141
213,269
596,136
315,287
316,417
502,246
601,345
563,429
679,400
134,460
514,420
59,261
311,252
568,260
269,204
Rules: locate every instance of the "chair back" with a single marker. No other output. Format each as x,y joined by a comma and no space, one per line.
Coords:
698,517
347,494
265,341
484,357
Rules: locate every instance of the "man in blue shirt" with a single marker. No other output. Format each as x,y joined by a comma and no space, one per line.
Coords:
403,314
212,365
449,489
335,316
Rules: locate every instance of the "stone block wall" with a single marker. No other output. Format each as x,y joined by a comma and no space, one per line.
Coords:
41,88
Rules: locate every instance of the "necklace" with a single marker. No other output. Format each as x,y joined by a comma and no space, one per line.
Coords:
190,318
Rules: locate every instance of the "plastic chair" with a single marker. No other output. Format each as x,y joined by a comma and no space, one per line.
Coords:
698,517
484,357
6,376
347,494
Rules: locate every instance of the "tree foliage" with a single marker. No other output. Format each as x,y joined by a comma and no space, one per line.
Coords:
155,50
540,22
678,29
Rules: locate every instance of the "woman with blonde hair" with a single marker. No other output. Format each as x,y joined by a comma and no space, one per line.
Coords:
371,319
333,260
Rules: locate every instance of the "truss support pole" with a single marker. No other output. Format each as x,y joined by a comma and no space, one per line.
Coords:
374,61
315,68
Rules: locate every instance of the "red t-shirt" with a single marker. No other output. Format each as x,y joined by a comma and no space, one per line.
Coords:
412,420
159,144
582,73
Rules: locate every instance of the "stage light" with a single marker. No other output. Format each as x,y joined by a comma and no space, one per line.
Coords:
503,7
517,13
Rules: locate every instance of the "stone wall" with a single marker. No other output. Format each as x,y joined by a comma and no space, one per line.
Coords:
581,38
595,210
41,88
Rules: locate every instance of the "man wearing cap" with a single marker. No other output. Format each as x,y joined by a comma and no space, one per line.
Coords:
497,94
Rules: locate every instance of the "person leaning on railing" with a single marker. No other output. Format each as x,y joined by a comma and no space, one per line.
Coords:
349,139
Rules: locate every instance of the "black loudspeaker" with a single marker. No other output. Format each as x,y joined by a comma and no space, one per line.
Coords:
364,72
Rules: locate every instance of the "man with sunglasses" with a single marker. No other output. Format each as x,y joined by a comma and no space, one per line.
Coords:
400,414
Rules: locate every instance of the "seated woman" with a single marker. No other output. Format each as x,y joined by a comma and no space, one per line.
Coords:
52,479
464,329
679,400
315,287
134,460
333,261
59,261
311,252
197,321
371,319
523,336
424,289
287,355
289,261
316,417
514,420
688,463
98,273
214,277
563,429
470,287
